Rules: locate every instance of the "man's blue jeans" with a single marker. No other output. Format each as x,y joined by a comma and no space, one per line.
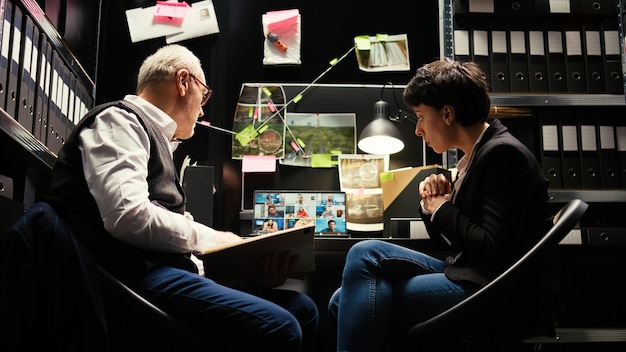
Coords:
233,320
385,287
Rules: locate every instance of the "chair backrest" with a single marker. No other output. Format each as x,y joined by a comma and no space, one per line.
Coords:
564,221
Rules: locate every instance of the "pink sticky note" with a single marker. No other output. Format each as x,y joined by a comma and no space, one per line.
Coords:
271,106
256,113
171,10
258,163
283,22
295,146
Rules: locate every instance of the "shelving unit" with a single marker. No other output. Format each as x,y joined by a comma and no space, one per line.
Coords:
27,158
582,264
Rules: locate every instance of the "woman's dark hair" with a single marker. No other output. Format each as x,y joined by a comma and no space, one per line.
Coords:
461,85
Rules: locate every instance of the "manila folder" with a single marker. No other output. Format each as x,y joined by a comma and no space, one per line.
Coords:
241,260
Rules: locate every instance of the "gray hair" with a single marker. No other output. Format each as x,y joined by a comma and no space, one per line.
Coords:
164,63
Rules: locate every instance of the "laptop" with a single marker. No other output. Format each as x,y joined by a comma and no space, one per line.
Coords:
275,210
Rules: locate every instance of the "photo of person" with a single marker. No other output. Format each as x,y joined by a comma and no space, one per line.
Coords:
272,212
332,225
302,213
270,226
327,213
330,200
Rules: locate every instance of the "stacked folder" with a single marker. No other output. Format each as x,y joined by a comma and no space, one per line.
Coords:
39,88
542,46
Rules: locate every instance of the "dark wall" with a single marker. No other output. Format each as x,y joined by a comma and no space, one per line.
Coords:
235,55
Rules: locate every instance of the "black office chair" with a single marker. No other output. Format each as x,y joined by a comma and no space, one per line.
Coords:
477,324
53,295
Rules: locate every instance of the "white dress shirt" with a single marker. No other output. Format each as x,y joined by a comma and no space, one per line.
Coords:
115,151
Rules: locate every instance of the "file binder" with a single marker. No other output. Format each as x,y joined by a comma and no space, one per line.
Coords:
23,105
592,46
537,60
595,7
551,154
518,57
513,7
620,136
570,161
5,51
479,50
556,61
499,56
40,114
64,85
609,164
56,127
461,39
574,64
589,156
13,81
612,56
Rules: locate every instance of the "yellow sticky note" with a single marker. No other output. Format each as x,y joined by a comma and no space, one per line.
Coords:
386,176
267,91
297,98
246,135
321,160
362,42
262,129
301,143
381,37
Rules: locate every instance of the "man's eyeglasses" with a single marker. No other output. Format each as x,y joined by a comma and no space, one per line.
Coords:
209,92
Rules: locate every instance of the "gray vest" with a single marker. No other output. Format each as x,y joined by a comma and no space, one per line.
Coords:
70,196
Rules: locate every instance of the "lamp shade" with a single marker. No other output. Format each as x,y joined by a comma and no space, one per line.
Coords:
381,136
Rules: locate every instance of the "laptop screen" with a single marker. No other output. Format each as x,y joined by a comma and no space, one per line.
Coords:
278,210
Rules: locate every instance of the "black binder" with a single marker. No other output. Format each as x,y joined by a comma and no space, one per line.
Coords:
461,39
499,56
609,163
479,50
64,84
26,81
594,7
550,152
620,136
537,59
556,58
5,51
518,56
13,80
570,162
589,155
40,114
513,7
56,127
574,62
592,48
612,56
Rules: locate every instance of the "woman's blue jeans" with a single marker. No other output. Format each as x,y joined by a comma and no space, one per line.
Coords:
387,286
233,320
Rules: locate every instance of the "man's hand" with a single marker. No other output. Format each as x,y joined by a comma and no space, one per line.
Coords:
226,237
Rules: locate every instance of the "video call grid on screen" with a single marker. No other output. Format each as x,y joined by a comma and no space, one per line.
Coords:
289,209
